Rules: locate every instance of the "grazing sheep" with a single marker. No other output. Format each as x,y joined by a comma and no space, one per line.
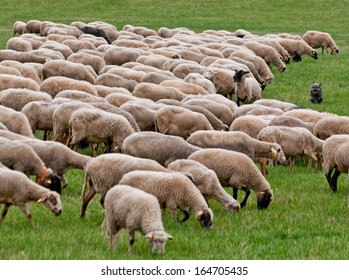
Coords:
126,73
113,80
207,182
294,141
240,142
173,190
315,93
54,85
335,151
77,45
25,69
33,26
246,89
21,157
19,27
284,106
186,88
96,126
9,70
15,121
329,126
65,68
156,92
19,44
104,91
21,56
162,148
95,61
88,29
249,124
297,48
198,79
155,77
323,40
12,81
184,69
292,122
17,189
308,115
57,47
58,157
133,209
105,171
80,96
119,55
223,80
174,120
17,98
238,171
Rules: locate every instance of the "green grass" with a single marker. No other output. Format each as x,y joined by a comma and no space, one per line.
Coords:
306,220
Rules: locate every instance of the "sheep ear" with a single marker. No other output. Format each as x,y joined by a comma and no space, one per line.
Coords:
42,199
169,236
49,182
150,235
273,153
261,194
199,213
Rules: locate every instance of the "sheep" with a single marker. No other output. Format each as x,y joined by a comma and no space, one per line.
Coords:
284,106
17,98
249,124
103,91
238,171
113,80
155,78
96,62
17,189
308,115
207,182
57,47
198,79
88,29
134,209
21,56
21,157
297,48
119,55
240,142
15,121
223,80
162,148
329,126
183,69
294,141
292,122
19,44
174,120
247,89
12,81
19,27
323,40
26,70
315,93
79,95
35,40
155,60
119,98
58,157
54,85
156,92
105,171
335,158
77,71
96,126
173,190
268,53
186,88
126,41
33,26
127,73
77,45
9,70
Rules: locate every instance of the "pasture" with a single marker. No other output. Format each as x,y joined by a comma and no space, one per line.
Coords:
305,221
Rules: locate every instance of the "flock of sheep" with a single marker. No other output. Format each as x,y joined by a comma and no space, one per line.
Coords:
160,106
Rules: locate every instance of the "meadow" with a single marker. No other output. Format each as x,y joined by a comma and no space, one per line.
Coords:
306,220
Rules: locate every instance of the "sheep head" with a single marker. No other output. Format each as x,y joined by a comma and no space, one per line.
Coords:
205,217
239,74
264,198
157,240
313,54
52,200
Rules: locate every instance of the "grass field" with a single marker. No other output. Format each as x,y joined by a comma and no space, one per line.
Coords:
306,220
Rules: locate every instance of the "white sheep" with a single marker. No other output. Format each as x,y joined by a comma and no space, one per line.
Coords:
17,189
13,81
95,61
21,56
329,126
236,170
323,40
274,103
246,89
105,171
186,88
26,70
173,190
207,182
308,115
119,55
335,151
114,80
156,92
297,48
19,27
15,121
134,209
249,124
19,44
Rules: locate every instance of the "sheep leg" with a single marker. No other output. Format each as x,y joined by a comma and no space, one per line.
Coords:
334,180
86,199
292,161
262,163
186,216
235,193
132,240
247,194
26,212
4,211
329,178
64,181
112,231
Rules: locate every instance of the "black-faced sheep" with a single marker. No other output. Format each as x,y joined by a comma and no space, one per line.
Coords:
323,40
134,209
246,89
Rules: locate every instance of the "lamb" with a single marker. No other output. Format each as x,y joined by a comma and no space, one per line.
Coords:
65,68
96,126
174,120
315,93
134,209
294,141
156,92
162,148
240,142
105,171
113,80
17,189
17,98
15,121
247,89
21,157
58,157
335,158
207,182
323,40
329,126
54,85
268,53
96,62
173,190
238,171
249,124
12,81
